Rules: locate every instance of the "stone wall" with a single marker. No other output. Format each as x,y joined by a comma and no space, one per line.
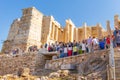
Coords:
35,61
35,31
75,60
10,64
96,31
46,28
8,44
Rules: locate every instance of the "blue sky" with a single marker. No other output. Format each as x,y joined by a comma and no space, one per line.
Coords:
79,11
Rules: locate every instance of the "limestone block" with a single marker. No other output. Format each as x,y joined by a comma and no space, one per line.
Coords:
73,60
54,74
67,66
26,72
63,72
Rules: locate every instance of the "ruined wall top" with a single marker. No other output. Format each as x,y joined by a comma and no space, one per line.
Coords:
116,16
52,20
99,25
85,24
69,21
31,11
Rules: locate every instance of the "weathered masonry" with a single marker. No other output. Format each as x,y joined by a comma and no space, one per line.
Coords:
34,28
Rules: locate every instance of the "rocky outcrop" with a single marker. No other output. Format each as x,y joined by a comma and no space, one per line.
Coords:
94,68
11,64
59,75
87,66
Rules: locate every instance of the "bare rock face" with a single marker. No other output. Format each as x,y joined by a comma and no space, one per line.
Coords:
93,68
11,64
26,76
63,73
54,74
89,66
59,73
23,72
20,71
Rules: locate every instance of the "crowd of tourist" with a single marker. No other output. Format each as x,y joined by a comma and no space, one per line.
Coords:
18,50
32,48
86,46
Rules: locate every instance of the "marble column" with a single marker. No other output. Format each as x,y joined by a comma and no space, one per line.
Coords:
85,31
51,35
57,34
77,34
53,31
116,19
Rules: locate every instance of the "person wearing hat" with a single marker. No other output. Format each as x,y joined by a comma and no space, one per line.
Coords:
116,40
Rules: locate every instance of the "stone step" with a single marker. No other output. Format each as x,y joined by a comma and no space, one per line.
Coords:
117,73
117,58
117,55
117,63
73,71
117,68
116,79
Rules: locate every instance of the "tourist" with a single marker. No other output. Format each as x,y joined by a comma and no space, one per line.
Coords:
118,39
14,52
115,35
30,49
95,44
89,43
17,51
83,47
70,50
107,42
87,50
65,50
49,48
101,44
57,47
61,51
45,45
54,48
75,49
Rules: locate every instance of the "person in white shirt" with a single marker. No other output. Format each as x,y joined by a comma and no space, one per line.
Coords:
65,51
83,46
95,43
89,42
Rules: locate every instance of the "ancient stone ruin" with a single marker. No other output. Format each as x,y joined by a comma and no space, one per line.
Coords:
35,28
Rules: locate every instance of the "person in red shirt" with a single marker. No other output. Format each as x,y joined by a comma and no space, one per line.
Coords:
108,42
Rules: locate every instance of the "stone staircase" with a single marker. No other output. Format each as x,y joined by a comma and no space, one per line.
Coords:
117,64
40,66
